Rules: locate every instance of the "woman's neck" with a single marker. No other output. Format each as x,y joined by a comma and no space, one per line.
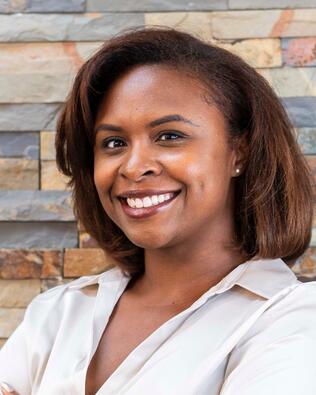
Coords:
171,282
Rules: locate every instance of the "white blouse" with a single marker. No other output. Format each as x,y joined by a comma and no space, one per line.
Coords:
253,333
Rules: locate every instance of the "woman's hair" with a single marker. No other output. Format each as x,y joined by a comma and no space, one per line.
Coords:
273,196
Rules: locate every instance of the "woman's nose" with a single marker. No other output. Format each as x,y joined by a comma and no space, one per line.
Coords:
139,162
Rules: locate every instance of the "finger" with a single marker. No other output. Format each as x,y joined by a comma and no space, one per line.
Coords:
6,389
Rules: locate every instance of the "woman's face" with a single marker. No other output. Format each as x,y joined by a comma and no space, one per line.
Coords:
154,131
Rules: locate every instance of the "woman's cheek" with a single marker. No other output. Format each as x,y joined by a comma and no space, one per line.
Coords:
103,173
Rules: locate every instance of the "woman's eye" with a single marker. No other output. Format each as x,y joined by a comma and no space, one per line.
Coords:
106,143
175,136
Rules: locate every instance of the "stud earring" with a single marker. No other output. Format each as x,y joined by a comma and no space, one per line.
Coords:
237,170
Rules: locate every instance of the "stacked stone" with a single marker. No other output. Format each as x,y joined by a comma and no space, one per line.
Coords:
42,45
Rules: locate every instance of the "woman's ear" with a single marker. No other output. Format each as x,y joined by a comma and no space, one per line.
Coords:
241,151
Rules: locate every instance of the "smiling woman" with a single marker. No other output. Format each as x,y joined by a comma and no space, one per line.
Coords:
185,169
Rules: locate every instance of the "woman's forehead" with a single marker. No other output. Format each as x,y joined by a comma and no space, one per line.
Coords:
155,79
154,88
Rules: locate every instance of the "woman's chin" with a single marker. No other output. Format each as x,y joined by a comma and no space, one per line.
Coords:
149,242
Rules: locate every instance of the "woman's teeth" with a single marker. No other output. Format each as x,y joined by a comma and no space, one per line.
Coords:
149,201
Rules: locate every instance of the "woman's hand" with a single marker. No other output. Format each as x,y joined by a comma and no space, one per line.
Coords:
6,389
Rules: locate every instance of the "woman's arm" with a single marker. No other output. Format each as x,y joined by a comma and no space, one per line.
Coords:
14,362
21,356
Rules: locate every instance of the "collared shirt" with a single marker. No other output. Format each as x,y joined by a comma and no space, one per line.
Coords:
253,333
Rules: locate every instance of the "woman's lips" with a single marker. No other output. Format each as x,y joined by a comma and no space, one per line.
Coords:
145,212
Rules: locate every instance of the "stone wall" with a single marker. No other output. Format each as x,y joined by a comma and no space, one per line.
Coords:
42,45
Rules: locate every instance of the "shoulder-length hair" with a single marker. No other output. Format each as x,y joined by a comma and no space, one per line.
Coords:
273,195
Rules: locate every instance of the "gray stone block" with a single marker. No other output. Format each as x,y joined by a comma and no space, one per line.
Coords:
35,87
35,206
301,110
307,140
155,5
285,42
65,27
38,235
28,117
12,6
56,6
264,4
19,145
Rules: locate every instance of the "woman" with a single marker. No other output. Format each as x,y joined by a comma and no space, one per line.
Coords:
185,169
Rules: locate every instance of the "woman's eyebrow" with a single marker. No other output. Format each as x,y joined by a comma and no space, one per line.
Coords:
156,122
109,127
170,118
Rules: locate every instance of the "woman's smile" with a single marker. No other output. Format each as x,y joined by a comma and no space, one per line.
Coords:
149,205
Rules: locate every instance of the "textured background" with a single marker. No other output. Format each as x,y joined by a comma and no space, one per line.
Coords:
42,45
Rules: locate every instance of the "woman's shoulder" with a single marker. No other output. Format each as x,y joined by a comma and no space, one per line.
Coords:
279,349
300,300
292,316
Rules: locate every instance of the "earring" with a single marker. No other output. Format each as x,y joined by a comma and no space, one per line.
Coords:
237,170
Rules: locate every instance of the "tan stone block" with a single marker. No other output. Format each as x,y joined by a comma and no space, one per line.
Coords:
52,263
87,261
80,226
264,23
40,72
18,173
45,57
28,264
257,52
48,151
86,241
51,178
86,49
243,24
11,6
291,81
9,320
197,23
295,23
18,293
305,266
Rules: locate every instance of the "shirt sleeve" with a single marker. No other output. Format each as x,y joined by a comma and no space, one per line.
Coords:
279,353
24,353
14,363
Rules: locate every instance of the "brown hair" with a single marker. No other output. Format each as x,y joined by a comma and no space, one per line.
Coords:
273,196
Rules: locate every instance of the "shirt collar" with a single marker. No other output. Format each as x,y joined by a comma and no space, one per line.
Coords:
112,274
264,277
